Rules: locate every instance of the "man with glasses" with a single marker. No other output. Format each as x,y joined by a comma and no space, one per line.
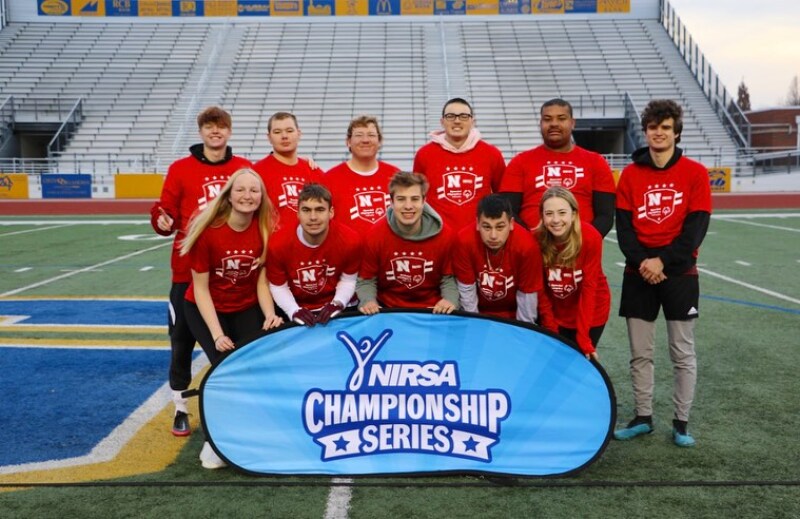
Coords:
360,186
460,167
560,162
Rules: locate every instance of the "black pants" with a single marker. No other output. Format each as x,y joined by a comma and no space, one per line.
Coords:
181,340
239,326
594,334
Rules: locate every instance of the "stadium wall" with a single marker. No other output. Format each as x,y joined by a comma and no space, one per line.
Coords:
211,11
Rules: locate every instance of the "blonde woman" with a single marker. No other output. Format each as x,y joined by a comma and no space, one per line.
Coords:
228,299
574,280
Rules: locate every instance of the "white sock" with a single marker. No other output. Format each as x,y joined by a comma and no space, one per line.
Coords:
181,404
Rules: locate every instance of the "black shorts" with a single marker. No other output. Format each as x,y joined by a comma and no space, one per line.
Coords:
678,295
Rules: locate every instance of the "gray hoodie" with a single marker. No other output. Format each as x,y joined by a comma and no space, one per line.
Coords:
367,289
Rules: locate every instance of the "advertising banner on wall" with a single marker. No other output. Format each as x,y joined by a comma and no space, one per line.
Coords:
13,185
230,8
408,392
57,185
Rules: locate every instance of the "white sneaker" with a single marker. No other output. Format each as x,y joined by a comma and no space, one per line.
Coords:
209,458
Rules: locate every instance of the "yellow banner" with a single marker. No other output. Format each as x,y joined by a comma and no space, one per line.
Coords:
88,8
220,8
483,7
352,8
720,180
549,6
13,185
138,185
155,8
613,6
418,7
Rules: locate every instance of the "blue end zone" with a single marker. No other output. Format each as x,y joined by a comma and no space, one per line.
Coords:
87,312
59,403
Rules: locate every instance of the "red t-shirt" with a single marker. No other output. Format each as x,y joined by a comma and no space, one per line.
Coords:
188,188
458,181
517,266
660,200
408,273
284,184
313,272
359,201
532,172
579,296
231,259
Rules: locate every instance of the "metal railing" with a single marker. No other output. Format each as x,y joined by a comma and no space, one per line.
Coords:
6,119
633,126
44,109
723,102
67,129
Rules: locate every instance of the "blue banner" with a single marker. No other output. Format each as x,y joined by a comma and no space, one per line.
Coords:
407,392
56,185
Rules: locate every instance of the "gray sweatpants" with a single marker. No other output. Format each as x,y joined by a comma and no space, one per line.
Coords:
680,336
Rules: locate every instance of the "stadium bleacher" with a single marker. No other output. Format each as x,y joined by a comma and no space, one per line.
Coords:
143,83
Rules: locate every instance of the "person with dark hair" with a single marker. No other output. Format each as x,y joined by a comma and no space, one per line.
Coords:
498,265
558,161
406,261
190,185
663,213
312,268
575,285
359,185
285,173
460,166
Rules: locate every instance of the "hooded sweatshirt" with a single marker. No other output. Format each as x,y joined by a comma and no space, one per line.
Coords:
403,271
459,177
663,212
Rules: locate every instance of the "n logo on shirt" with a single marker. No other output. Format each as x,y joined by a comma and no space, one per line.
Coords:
563,175
563,281
459,187
409,270
290,191
659,203
312,279
211,189
237,266
494,285
370,205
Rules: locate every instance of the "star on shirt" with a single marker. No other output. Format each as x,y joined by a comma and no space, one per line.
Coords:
469,445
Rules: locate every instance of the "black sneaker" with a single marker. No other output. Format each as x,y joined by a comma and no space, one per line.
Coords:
180,426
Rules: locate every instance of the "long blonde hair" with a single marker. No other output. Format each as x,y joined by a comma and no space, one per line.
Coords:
220,208
554,252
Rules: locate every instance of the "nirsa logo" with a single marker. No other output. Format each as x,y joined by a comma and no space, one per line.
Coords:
403,406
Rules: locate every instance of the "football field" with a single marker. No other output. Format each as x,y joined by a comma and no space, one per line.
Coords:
85,413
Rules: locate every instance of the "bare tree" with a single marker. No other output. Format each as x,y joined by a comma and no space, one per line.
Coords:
793,97
743,97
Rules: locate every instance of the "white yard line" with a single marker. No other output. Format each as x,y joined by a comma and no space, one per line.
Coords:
72,222
34,230
743,263
85,269
339,499
740,283
756,224
751,287
753,215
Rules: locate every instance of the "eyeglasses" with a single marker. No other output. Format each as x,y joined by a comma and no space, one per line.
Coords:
460,117
362,135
